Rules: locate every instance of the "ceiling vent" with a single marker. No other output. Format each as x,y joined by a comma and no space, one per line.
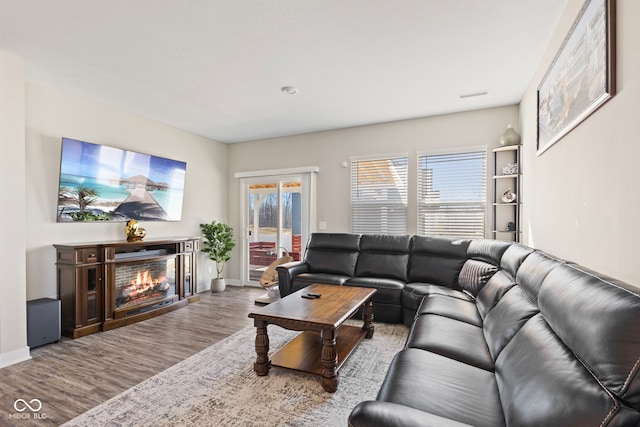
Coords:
473,94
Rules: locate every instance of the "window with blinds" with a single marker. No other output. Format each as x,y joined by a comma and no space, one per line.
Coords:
452,194
379,196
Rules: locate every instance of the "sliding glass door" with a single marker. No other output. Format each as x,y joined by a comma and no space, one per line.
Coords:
277,218
274,227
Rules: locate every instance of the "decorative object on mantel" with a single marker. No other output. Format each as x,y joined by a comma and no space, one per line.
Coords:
509,196
510,137
511,226
510,169
582,76
134,232
218,244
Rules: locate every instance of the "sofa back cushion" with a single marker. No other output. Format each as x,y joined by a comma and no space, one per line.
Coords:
513,258
493,291
506,318
437,260
333,253
532,272
487,250
542,383
597,318
383,256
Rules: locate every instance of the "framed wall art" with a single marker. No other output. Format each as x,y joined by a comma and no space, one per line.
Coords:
581,77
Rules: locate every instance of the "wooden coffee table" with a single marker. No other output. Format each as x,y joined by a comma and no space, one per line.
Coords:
326,342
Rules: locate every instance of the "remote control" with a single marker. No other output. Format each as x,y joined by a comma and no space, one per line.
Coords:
313,295
307,296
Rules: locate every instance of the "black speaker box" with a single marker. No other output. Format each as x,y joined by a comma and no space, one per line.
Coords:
43,321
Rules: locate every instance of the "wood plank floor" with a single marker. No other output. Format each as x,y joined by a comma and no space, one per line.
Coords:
72,376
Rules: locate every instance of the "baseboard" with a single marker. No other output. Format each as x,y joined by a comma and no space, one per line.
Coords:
228,282
253,285
15,356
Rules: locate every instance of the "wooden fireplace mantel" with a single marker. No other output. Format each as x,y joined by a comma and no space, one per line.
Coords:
86,281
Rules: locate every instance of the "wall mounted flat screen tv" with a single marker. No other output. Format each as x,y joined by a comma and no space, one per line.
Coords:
101,183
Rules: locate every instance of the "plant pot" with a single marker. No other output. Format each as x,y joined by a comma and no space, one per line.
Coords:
217,285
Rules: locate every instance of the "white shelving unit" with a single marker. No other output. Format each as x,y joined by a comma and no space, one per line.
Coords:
506,214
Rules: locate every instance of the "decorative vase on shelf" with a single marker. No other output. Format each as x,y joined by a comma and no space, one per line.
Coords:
510,137
509,196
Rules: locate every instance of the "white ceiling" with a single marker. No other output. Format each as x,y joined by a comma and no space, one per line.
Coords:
215,67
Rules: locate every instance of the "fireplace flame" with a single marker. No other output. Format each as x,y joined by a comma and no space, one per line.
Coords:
144,278
143,285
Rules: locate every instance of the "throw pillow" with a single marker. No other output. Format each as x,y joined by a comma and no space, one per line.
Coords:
474,274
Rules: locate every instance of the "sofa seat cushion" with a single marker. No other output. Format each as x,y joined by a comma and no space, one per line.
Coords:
306,279
454,308
413,293
387,414
451,338
444,387
388,290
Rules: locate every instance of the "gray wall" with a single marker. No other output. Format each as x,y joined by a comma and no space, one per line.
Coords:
328,150
13,322
582,199
52,115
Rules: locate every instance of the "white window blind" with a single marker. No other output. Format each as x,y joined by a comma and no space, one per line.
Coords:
452,194
379,196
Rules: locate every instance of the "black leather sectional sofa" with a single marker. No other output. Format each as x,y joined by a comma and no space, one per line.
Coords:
501,334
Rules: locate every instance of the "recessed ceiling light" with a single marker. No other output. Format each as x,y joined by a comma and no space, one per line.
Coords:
289,90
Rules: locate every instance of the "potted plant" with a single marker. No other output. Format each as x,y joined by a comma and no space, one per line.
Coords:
218,243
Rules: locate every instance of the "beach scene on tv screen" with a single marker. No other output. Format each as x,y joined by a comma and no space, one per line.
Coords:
102,183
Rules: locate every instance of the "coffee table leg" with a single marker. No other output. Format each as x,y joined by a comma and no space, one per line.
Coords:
367,316
329,361
262,364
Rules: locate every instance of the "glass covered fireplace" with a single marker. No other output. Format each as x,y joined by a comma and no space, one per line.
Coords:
144,283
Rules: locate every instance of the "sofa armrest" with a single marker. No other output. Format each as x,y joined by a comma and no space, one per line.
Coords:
387,414
286,273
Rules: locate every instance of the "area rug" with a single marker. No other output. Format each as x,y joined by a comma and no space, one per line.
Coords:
219,387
